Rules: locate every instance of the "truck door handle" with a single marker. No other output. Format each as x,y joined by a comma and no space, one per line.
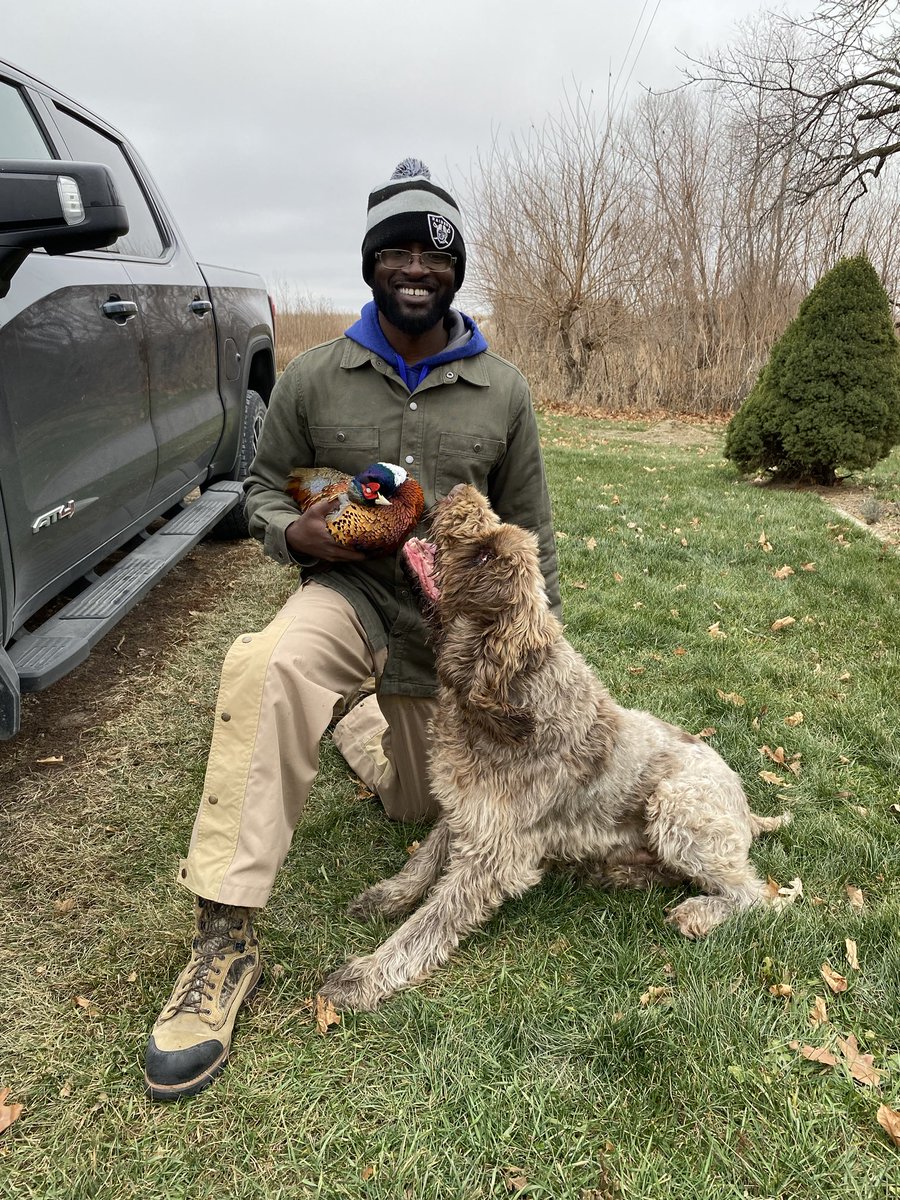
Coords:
119,311
200,307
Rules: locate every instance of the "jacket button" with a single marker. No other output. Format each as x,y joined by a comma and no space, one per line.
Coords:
341,437
212,799
449,375
413,405
247,638
477,447
226,716
409,458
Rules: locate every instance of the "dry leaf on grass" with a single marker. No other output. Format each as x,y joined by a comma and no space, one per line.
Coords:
765,543
889,1120
55,759
855,896
8,1112
656,995
326,1015
783,572
707,732
591,543
788,894
367,1172
782,623
771,777
794,719
815,1054
836,982
412,847
516,1179
782,989
715,632
731,698
777,755
860,1066
64,907
852,956
818,1014
582,587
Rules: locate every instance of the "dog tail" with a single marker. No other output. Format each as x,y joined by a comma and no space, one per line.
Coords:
767,824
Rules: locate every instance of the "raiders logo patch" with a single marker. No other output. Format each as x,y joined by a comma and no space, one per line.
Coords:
442,232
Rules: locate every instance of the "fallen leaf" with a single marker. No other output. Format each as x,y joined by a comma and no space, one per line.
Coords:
731,698
412,847
836,982
860,1066
680,651
852,955
562,536
782,623
8,1112
783,572
66,1090
515,1179
771,777
765,543
367,1172
889,1120
815,1054
54,758
818,1014
618,578
715,632
855,896
777,755
656,995
707,732
789,893
582,587
636,670
781,989
326,1015
591,543
794,720
64,907
810,566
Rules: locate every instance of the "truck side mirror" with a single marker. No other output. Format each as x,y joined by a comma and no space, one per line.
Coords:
57,206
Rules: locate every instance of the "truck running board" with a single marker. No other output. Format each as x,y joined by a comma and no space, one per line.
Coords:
66,639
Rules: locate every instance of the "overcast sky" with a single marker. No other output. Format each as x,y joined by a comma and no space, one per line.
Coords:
266,124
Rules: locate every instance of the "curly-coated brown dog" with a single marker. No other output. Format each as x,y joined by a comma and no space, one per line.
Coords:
534,763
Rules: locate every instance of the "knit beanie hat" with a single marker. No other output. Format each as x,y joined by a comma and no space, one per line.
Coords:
410,208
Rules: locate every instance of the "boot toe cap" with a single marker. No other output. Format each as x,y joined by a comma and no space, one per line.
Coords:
182,1072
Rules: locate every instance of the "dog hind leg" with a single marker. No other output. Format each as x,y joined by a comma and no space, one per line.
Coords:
398,895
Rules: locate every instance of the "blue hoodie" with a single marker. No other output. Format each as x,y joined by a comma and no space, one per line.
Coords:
466,340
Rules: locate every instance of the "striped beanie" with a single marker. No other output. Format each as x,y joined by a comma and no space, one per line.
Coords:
410,208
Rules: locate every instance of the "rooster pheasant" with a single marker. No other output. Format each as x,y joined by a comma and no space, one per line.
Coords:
378,508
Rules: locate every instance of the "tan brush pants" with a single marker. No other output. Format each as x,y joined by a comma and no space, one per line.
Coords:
280,689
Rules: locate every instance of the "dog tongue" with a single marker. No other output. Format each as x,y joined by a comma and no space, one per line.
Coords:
419,557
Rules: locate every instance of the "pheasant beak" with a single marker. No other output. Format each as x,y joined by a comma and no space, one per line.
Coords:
379,499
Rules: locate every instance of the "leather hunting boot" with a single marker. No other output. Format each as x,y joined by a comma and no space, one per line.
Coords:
190,1041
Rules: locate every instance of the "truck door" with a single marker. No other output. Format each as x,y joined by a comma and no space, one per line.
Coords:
175,309
77,450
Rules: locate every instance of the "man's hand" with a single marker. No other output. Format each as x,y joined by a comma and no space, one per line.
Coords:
309,536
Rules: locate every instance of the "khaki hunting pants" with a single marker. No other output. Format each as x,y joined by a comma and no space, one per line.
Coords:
280,690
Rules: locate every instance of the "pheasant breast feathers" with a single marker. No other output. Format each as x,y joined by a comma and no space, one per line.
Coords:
377,509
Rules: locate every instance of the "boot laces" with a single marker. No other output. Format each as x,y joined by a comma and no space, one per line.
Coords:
215,938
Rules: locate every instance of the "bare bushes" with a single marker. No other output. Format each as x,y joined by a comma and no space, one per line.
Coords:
651,262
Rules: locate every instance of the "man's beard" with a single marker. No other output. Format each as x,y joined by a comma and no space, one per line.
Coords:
386,301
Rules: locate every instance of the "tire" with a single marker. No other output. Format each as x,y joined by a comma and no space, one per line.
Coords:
233,525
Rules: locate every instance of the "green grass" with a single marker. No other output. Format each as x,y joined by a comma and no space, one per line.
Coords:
531,1056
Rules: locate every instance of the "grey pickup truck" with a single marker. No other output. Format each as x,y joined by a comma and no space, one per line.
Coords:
133,385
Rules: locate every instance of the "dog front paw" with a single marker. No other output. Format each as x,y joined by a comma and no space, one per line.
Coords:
354,987
379,901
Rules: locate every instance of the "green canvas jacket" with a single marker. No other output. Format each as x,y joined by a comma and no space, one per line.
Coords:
469,421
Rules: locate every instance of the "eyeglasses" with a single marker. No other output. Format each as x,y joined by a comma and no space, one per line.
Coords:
431,260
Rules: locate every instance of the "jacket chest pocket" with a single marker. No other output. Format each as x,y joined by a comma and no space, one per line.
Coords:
465,458
349,448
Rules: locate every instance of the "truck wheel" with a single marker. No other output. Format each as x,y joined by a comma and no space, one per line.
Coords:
234,524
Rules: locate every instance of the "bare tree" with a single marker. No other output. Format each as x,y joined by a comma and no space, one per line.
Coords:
831,87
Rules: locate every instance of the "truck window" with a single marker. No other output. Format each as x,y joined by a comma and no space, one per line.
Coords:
20,136
88,144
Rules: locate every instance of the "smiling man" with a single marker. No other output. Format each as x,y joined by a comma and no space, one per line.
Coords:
411,383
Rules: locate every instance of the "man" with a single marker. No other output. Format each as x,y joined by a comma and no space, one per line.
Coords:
412,383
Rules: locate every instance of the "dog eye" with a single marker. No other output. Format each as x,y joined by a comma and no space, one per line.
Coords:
484,556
